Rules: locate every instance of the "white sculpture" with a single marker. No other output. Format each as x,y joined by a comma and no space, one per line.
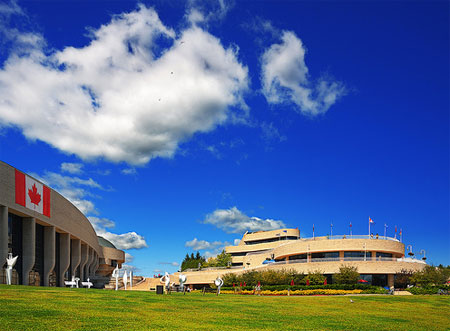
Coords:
11,261
125,279
87,284
115,274
166,280
131,280
182,279
73,282
219,283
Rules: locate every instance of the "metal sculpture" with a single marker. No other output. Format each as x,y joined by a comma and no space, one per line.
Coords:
166,280
115,274
131,280
219,283
182,279
10,261
125,279
87,284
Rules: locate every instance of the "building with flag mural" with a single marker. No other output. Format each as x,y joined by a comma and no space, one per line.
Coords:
53,240
377,258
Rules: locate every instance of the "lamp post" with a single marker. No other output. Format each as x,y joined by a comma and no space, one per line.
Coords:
422,252
365,251
385,227
409,247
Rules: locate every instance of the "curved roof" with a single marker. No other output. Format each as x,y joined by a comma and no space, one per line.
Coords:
105,243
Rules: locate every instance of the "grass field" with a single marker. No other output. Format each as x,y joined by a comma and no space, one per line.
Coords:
43,308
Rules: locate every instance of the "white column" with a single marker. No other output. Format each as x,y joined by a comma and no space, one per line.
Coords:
28,247
49,252
64,256
76,255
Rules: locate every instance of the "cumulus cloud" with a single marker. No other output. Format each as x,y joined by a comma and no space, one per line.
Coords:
72,168
211,248
74,189
129,171
135,92
285,78
129,240
128,258
234,221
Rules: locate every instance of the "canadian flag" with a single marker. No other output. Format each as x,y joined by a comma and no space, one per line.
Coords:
32,194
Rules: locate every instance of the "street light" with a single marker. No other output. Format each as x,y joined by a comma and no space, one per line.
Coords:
422,252
409,247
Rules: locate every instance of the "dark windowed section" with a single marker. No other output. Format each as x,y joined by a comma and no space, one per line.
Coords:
39,253
114,263
380,254
57,259
237,264
15,242
379,280
269,240
325,255
357,254
282,259
298,257
239,254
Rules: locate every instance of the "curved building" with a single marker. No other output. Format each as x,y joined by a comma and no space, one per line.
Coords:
52,238
378,259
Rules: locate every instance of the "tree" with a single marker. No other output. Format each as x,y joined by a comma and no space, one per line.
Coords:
403,278
430,275
191,262
315,278
346,275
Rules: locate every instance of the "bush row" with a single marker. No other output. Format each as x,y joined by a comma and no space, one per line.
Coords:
347,287
297,292
427,290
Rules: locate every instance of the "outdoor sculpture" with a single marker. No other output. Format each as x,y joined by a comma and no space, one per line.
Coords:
73,282
11,261
87,284
115,274
131,280
166,280
219,283
182,279
125,279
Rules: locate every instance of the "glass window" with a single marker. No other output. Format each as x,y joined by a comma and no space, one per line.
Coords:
298,257
356,254
380,254
325,255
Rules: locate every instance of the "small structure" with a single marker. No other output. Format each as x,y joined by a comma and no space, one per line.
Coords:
87,284
73,282
10,261
115,274
219,283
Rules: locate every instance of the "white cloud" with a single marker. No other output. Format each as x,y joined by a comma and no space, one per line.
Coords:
72,188
285,78
72,168
234,221
129,240
198,245
125,96
129,171
128,258
237,242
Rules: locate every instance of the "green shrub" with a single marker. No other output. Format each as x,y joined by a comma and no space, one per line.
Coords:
346,275
423,290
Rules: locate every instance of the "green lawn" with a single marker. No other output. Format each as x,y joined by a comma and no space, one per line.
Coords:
41,308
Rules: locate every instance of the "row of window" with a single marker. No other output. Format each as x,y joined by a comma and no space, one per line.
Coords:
328,255
269,240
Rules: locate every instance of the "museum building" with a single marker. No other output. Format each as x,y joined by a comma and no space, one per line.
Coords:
377,258
51,237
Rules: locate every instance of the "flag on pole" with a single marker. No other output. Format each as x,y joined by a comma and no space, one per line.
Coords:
32,194
371,220
350,224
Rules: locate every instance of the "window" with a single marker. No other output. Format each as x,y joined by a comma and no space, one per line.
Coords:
298,257
381,254
357,254
325,255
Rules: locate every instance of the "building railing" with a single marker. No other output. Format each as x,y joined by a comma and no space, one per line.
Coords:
335,237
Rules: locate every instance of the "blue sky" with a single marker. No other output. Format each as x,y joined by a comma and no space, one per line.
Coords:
176,126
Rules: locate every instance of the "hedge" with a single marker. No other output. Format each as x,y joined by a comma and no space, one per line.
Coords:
427,290
367,289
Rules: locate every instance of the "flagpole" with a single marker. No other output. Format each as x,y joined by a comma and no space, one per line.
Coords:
400,235
313,231
385,226
369,226
331,231
350,229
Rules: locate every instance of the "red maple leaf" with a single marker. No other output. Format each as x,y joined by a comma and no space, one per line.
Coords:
35,197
